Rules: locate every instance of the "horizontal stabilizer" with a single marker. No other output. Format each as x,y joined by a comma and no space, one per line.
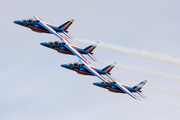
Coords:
141,95
140,85
92,57
73,50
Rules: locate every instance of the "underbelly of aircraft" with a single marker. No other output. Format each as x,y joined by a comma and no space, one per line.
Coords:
64,52
114,90
39,30
84,73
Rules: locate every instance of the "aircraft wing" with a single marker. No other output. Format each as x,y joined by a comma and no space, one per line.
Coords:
73,50
47,27
122,87
93,71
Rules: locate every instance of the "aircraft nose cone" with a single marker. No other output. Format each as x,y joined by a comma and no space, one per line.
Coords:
97,84
44,43
65,66
18,22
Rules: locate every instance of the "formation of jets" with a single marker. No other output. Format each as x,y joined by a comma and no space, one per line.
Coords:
82,67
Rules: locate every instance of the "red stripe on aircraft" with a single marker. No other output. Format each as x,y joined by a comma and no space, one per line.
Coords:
129,91
80,54
92,69
56,32
142,95
93,57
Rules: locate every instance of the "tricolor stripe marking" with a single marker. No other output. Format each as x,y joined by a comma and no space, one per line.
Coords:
68,35
127,91
113,79
141,94
72,49
92,57
96,73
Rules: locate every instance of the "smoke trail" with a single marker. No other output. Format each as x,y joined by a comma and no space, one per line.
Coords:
166,103
145,71
163,90
135,52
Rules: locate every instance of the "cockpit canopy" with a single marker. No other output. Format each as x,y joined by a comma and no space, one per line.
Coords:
102,82
56,43
107,83
112,82
76,64
30,20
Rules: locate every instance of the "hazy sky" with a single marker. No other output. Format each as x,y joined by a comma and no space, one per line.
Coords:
34,86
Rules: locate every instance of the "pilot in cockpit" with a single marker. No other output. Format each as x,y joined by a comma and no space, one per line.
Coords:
57,43
76,64
30,20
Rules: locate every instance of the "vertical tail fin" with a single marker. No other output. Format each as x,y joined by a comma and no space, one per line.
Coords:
66,25
90,48
140,85
109,67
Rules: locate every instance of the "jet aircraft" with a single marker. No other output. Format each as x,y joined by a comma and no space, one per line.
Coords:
62,48
114,86
63,40
35,25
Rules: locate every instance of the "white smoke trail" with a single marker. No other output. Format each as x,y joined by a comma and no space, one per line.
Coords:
135,52
145,71
166,103
171,92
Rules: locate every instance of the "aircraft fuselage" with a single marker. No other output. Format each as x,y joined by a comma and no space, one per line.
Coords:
62,49
34,26
112,87
81,70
